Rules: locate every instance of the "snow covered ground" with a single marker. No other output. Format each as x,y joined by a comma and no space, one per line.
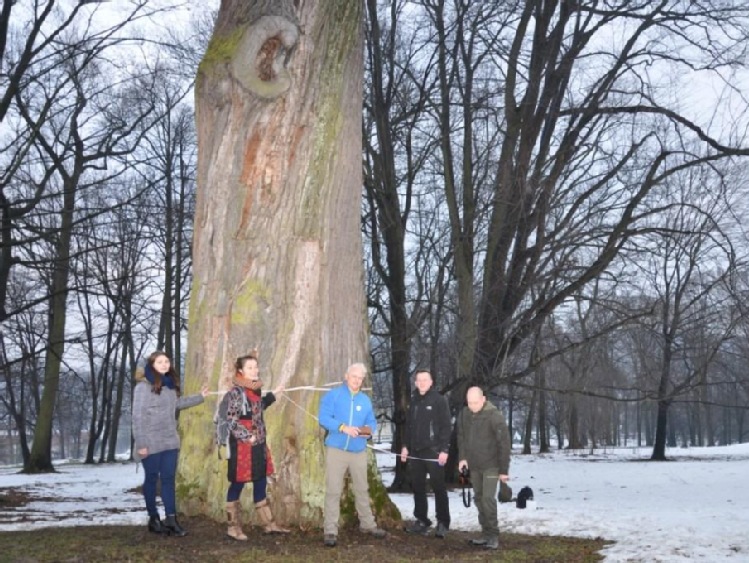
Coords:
695,507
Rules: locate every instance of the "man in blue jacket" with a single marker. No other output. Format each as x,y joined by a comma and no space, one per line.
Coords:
347,414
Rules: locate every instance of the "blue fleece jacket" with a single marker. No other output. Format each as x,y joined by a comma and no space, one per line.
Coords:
341,406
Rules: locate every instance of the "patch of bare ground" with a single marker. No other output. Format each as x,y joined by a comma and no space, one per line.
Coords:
207,541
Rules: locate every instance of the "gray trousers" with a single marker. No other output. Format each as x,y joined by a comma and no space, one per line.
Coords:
337,463
485,496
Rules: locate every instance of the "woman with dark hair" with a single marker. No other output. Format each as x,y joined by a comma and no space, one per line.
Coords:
249,456
156,400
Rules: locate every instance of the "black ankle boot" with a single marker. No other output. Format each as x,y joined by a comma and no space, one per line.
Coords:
172,528
154,525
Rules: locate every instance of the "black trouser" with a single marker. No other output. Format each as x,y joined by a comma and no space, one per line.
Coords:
419,470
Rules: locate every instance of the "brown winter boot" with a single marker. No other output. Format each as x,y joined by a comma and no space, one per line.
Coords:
266,518
235,523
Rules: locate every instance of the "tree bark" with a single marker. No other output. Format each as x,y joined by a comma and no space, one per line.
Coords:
277,253
528,433
40,459
661,427
575,443
121,373
543,435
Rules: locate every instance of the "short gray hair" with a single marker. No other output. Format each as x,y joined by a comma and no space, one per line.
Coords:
357,366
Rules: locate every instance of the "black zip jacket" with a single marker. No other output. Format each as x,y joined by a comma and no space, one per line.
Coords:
428,424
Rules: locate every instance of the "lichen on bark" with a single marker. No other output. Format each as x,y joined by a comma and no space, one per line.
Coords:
254,55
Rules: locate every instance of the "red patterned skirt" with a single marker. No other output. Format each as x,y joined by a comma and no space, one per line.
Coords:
248,462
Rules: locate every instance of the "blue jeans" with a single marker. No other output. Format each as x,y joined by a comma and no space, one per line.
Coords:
258,490
164,465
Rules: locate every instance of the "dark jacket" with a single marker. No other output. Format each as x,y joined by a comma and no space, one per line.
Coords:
484,439
249,409
428,424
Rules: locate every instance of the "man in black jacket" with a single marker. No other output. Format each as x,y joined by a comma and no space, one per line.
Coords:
484,448
427,442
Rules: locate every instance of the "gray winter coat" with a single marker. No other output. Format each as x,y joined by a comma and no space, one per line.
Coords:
155,417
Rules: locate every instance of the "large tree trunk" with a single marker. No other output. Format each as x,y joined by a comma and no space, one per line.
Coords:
575,443
661,427
277,249
528,433
121,373
543,435
40,459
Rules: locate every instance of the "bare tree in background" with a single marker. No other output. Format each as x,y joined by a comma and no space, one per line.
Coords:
77,131
37,43
21,343
694,280
587,144
81,94
393,158
169,161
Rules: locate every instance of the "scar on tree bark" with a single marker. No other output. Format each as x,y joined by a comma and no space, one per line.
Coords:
269,42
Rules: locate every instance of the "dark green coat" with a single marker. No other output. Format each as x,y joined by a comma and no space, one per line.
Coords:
484,439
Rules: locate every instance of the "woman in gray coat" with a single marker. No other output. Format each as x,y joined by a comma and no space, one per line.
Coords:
156,400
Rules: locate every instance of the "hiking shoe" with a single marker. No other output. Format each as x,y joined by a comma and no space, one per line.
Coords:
418,527
374,532
481,542
330,540
441,530
492,543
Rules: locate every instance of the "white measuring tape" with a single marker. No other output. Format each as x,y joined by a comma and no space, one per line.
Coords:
328,387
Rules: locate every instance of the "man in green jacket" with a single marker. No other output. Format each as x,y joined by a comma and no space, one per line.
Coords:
484,448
